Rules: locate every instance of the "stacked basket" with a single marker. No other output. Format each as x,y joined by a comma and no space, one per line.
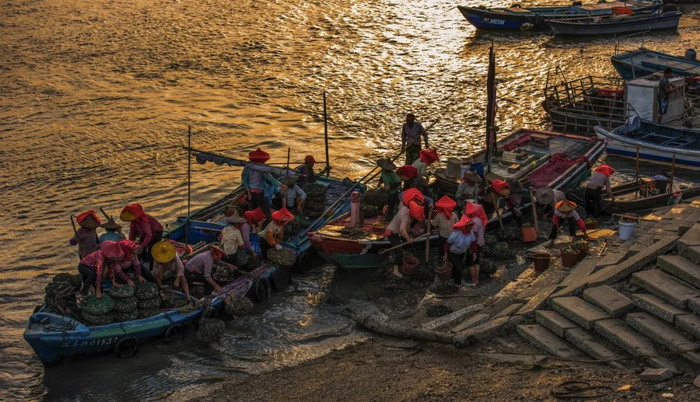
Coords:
125,303
148,299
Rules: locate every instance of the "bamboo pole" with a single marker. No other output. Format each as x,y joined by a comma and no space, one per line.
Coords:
75,230
325,131
427,241
636,171
386,250
534,210
105,214
498,211
673,170
189,183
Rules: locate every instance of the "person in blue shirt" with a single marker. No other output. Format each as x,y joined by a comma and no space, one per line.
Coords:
457,246
113,231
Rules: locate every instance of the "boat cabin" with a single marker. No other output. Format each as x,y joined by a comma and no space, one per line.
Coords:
642,99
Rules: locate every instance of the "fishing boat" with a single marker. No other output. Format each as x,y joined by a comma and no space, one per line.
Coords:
576,106
641,195
535,158
530,18
582,27
641,62
653,142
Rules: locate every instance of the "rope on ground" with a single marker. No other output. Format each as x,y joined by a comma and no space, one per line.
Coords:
580,390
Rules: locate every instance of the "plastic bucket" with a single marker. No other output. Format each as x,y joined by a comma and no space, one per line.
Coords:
541,261
529,234
444,271
569,260
626,229
410,262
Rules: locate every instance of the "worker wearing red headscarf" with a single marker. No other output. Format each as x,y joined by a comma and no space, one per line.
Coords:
427,157
273,234
510,191
457,245
593,197
96,264
144,228
130,263
254,177
476,213
444,219
566,211
86,236
411,208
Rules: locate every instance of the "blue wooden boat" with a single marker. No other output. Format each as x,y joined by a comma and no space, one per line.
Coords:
657,143
641,62
583,27
534,17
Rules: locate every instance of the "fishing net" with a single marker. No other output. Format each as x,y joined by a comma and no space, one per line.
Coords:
242,258
239,306
375,197
94,306
173,300
197,292
210,330
146,290
122,292
125,305
144,313
299,223
284,256
150,304
59,297
121,317
353,233
96,319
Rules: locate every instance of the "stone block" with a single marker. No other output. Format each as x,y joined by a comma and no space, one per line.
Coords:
510,310
656,306
689,239
452,318
620,334
694,305
656,375
554,322
662,362
665,286
547,341
680,267
593,347
488,329
689,323
661,332
693,254
578,311
614,273
537,301
473,321
608,299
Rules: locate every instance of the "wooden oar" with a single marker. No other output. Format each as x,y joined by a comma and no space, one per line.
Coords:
75,230
105,214
386,250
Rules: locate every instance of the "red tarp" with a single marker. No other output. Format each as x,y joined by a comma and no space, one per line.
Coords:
525,139
555,166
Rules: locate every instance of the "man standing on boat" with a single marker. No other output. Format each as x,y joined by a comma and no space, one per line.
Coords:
411,132
665,90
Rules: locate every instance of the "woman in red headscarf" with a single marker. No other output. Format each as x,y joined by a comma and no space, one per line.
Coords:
593,196
427,157
411,208
457,245
273,234
410,178
144,228
476,213
254,178
96,264
254,220
444,219
86,236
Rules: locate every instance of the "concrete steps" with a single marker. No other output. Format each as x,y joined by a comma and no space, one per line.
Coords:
689,323
609,300
548,341
656,306
554,322
663,333
665,286
578,311
629,340
680,267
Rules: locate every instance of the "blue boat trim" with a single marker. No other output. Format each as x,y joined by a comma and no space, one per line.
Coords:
656,158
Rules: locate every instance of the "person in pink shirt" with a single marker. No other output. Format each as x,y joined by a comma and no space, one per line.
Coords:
96,264
166,260
144,227
86,236
254,220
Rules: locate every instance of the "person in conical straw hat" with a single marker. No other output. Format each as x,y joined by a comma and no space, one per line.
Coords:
166,260
391,183
445,218
291,195
86,236
231,237
113,231
546,199
468,188
593,197
457,245
566,211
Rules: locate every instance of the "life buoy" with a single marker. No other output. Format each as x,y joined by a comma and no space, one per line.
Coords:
174,333
262,290
126,346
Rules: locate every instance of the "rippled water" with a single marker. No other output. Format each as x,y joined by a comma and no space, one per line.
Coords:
97,97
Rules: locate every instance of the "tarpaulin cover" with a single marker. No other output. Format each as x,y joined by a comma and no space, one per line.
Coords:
525,139
555,166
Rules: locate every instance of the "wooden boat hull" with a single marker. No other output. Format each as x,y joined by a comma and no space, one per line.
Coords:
613,26
641,62
617,144
639,203
534,17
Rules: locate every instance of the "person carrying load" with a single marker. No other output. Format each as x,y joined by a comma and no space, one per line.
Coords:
86,236
306,172
444,219
113,231
143,228
476,213
411,208
166,260
273,234
546,199
129,263
468,189
254,220
291,195
593,197
566,211
512,198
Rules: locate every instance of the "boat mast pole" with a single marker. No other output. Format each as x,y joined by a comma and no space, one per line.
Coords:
325,131
189,176
490,109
